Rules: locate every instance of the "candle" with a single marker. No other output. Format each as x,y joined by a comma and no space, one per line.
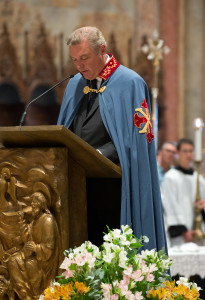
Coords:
198,139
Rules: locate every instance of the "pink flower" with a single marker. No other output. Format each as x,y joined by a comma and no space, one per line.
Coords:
150,277
68,273
66,263
128,271
138,296
90,259
123,285
126,279
129,295
106,289
81,259
136,275
114,297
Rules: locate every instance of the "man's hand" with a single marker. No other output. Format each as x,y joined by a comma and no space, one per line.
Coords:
200,204
188,235
29,248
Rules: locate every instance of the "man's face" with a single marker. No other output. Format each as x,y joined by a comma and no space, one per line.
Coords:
168,154
86,60
185,155
36,207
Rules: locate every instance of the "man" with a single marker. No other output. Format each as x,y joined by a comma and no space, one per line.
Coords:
32,268
118,125
178,195
165,159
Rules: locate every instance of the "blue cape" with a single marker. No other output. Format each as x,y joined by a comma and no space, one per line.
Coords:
141,200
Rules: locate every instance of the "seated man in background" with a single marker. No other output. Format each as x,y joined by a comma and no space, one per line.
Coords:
179,193
166,159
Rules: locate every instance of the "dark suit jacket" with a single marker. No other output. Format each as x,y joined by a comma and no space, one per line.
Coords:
91,129
103,194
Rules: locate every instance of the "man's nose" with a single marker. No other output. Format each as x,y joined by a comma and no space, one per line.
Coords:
79,65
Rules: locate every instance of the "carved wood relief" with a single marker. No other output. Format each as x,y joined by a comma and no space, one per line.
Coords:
33,216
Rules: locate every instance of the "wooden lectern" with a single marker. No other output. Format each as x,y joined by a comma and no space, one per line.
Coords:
80,161
50,164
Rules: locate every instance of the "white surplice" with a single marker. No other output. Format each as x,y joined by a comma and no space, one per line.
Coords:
178,196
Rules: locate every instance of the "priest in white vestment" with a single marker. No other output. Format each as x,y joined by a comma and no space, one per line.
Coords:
178,196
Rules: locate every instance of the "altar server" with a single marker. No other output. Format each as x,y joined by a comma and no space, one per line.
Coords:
179,195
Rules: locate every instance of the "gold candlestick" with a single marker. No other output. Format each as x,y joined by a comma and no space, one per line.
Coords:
198,124
198,218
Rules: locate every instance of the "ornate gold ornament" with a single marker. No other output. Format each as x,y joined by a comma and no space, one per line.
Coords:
30,222
87,90
110,67
144,118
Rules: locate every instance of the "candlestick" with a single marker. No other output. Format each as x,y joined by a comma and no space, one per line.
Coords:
199,124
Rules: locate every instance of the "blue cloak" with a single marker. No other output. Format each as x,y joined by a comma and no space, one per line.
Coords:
140,196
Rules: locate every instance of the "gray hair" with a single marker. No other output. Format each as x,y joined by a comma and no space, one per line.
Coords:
168,143
92,34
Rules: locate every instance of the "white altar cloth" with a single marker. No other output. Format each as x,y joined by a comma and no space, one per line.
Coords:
188,260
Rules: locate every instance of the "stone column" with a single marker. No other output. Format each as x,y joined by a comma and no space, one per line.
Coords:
169,24
193,102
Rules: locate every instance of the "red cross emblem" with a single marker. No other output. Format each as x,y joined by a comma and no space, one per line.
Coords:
144,118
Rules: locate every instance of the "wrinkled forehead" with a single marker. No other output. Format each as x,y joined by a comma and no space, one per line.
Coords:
81,49
169,147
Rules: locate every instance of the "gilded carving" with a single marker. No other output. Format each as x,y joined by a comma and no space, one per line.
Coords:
6,291
30,223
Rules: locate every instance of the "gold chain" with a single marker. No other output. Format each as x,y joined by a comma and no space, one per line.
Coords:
87,90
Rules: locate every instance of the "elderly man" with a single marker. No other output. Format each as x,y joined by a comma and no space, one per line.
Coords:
108,106
166,159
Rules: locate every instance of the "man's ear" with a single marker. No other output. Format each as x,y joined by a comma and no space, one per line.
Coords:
102,49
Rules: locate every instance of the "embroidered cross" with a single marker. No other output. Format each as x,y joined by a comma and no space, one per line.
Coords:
144,119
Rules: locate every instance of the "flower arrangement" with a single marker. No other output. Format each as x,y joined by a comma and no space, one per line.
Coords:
169,290
118,271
